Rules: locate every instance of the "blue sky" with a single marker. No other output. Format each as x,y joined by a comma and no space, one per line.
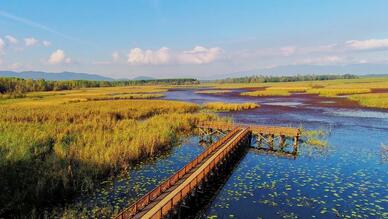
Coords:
124,39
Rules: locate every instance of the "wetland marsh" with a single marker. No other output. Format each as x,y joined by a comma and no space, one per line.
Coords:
347,178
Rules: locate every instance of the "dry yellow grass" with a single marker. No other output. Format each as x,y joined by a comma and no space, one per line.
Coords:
221,106
355,89
234,85
332,92
53,147
364,82
264,93
88,94
377,100
288,88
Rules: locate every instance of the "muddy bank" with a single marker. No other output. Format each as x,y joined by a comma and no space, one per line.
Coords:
313,100
380,90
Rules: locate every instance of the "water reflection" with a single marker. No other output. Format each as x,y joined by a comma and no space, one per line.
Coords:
116,194
346,179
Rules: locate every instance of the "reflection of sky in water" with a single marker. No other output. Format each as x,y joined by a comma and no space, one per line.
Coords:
117,194
327,101
360,113
284,104
349,180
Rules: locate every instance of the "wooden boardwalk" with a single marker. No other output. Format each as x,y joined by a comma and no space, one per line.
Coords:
264,130
166,197
160,201
266,134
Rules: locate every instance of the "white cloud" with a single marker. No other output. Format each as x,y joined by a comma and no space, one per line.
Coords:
328,48
11,39
30,41
199,55
2,45
115,56
101,62
138,56
288,50
46,43
367,44
14,66
322,60
58,57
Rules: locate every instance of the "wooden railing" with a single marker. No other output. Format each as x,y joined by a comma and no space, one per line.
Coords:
268,130
156,192
168,203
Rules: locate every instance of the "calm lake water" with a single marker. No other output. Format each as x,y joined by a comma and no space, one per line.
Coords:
347,180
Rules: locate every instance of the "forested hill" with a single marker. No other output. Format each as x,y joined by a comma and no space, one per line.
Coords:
63,76
265,79
16,87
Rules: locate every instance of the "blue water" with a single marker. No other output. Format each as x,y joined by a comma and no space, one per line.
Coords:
114,195
348,179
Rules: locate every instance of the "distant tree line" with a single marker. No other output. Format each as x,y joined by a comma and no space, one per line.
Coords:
265,79
18,86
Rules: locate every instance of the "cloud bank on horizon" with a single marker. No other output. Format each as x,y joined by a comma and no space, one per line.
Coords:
197,39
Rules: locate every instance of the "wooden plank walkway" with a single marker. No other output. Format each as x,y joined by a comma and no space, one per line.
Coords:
262,133
160,201
260,129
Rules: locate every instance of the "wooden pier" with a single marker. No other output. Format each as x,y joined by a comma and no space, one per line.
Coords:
265,130
267,135
166,198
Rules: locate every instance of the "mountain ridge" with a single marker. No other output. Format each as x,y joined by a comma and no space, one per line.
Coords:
61,76
290,70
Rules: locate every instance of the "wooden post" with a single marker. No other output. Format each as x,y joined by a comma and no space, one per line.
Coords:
296,143
270,141
258,140
282,141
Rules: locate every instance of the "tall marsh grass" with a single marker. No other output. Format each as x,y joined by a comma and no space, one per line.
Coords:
359,90
50,152
221,106
377,100
332,92
288,88
264,93
275,91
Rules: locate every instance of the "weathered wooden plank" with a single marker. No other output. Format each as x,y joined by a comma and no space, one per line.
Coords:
143,202
275,130
174,189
